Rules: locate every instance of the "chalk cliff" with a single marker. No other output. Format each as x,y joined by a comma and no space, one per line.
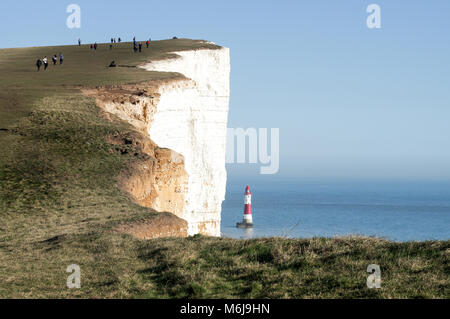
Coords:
186,121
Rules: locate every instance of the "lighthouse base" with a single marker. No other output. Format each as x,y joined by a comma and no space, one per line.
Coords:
244,225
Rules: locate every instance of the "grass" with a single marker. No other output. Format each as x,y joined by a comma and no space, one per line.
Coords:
59,202
118,266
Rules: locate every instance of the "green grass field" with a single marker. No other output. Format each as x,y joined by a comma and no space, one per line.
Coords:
59,201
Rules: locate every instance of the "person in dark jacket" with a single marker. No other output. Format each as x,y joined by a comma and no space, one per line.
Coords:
61,58
140,47
54,59
39,64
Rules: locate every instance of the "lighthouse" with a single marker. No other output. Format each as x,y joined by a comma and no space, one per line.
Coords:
247,222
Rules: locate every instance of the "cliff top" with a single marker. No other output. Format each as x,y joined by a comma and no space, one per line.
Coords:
21,84
86,67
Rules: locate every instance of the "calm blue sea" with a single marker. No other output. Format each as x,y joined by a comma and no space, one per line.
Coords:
398,211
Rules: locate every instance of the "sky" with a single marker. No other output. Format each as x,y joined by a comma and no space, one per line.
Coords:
349,101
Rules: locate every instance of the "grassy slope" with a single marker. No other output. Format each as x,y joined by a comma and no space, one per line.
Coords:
58,201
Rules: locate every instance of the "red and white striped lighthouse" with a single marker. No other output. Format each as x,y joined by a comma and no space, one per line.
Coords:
248,221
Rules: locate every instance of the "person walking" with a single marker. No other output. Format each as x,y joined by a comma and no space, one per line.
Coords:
120,40
79,42
92,47
45,63
38,64
140,47
148,43
61,58
54,59
95,46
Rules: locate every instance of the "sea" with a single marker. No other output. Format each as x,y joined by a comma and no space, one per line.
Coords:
398,211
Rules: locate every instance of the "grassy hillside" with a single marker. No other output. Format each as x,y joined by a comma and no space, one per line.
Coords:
59,201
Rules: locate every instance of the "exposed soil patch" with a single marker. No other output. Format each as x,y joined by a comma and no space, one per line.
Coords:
163,225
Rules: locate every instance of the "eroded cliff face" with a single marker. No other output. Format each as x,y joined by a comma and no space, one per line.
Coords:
186,122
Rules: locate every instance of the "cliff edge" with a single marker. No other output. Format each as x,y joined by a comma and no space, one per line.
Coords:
185,120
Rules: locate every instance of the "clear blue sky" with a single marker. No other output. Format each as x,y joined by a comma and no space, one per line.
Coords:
349,101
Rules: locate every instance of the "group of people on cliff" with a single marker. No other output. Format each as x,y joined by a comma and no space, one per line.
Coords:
138,46
44,61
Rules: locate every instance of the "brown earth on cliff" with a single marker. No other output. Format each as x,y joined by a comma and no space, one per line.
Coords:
156,178
162,225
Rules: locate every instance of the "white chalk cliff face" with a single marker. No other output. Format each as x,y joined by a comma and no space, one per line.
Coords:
190,118
186,123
